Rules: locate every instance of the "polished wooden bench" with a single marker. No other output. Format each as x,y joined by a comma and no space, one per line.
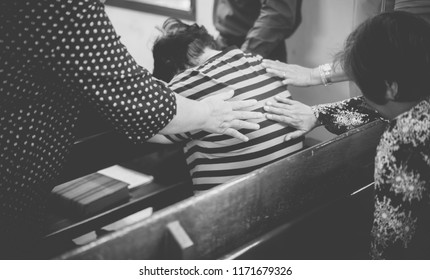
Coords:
231,219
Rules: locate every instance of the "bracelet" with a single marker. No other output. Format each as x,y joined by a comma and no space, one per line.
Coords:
325,73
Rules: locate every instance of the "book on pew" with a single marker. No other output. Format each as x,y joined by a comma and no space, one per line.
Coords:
93,193
133,178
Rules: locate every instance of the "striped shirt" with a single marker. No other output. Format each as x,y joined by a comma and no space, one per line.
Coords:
214,159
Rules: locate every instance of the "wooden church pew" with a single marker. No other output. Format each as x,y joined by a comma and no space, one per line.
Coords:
98,147
237,213
338,230
163,191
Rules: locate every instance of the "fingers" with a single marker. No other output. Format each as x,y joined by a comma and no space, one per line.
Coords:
237,105
282,119
278,111
285,100
294,135
231,128
239,124
277,68
276,72
282,103
269,63
288,82
243,115
277,108
236,134
276,65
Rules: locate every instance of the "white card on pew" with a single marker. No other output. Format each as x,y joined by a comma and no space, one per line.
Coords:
129,176
86,238
129,220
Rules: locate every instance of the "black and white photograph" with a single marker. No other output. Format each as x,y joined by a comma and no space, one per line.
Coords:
271,134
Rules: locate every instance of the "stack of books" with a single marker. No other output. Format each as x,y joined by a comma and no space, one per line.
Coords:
98,191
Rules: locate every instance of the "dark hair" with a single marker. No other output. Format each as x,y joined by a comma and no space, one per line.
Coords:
179,47
390,47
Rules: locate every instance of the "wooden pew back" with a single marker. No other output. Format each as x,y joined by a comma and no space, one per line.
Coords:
98,146
227,217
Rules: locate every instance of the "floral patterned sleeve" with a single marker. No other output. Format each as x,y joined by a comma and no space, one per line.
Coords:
342,116
401,226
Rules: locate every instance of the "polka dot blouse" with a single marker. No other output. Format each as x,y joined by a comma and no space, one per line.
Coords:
55,56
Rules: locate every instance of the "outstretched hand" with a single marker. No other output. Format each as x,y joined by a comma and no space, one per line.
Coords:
227,117
292,74
292,113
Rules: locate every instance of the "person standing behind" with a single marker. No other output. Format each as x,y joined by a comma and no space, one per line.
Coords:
257,26
329,73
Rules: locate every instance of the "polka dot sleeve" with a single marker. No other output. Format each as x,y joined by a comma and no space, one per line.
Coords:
92,61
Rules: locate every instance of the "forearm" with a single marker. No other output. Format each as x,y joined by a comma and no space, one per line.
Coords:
277,21
124,93
342,116
190,115
160,139
297,75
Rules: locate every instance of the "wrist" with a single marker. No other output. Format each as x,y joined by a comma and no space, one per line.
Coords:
211,115
315,111
325,74
204,112
315,78
190,115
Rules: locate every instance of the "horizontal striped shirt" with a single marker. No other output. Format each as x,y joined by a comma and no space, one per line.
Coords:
214,159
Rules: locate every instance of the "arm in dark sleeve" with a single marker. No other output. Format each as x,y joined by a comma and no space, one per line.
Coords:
345,115
96,66
277,21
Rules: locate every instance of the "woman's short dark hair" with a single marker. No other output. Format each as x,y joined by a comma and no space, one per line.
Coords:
179,48
390,47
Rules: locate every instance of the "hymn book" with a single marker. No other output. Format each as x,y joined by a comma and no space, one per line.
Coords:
93,193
